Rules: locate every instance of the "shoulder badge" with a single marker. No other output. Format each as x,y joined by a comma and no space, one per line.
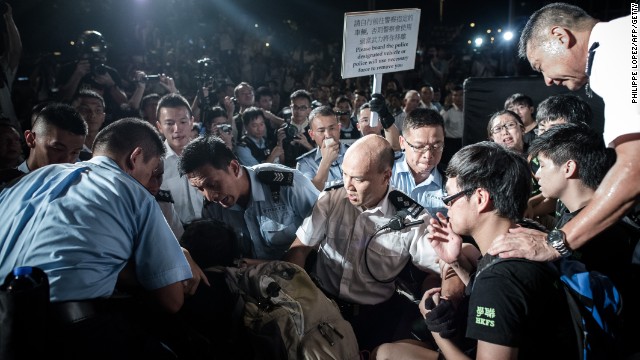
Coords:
164,196
275,177
333,185
402,201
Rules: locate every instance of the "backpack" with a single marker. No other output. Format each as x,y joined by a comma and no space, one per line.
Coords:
595,305
286,316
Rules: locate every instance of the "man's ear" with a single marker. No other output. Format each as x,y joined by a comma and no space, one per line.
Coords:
564,36
30,138
134,159
236,168
483,200
570,169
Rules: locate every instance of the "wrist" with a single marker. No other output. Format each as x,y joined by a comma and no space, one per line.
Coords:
558,240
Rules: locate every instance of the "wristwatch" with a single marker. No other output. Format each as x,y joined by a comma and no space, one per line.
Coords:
558,240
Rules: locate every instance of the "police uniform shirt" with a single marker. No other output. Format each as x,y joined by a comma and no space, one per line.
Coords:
187,200
268,225
308,164
341,230
244,154
428,193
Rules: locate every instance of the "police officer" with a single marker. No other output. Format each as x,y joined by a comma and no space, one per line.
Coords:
264,204
323,164
363,242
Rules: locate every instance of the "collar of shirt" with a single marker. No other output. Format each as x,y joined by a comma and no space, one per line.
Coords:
257,190
261,143
383,207
403,167
170,152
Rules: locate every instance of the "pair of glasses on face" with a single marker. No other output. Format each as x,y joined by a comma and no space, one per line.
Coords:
508,126
450,199
435,148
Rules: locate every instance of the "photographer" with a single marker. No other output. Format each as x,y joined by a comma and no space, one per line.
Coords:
142,81
216,122
89,71
348,127
254,147
297,142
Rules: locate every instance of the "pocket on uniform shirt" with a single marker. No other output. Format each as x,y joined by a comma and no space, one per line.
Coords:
278,234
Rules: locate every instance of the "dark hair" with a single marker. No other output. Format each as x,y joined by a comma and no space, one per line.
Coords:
251,114
215,112
172,100
87,93
301,94
121,137
148,98
518,99
422,117
579,143
504,173
263,91
503,112
323,110
569,107
565,15
62,116
205,150
210,243
342,99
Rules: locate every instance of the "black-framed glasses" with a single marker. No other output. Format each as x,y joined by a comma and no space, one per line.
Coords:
448,200
435,148
508,126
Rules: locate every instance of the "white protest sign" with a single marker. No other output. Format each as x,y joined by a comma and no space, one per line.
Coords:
377,42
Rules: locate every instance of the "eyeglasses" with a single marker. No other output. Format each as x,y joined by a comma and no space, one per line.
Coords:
508,126
450,199
300,108
435,148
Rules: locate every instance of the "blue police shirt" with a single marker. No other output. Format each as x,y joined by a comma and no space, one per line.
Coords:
428,193
266,228
309,162
81,223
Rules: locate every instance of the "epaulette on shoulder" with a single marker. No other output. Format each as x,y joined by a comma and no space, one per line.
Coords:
333,185
306,154
402,201
275,177
164,196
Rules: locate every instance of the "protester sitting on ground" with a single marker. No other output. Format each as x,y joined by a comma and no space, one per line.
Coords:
356,256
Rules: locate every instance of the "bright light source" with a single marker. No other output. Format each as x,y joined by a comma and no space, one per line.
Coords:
472,25
256,25
478,41
499,30
508,35
267,44
72,43
488,31
469,42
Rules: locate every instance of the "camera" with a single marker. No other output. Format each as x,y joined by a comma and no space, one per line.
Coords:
225,128
290,131
151,79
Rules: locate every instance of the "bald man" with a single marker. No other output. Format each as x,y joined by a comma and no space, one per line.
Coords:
357,260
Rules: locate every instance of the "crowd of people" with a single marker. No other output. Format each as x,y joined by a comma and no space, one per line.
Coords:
127,185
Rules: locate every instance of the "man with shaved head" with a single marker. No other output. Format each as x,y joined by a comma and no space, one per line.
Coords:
358,231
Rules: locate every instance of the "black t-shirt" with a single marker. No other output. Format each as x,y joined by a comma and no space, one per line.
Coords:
521,304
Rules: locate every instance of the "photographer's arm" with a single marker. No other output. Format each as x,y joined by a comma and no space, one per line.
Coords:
68,89
276,122
15,44
392,134
136,97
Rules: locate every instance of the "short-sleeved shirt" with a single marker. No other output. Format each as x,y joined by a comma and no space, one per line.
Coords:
81,223
266,227
342,231
521,304
188,201
610,77
428,193
308,164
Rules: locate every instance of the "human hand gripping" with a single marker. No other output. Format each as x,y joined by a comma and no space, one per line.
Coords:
330,150
446,243
191,285
524,243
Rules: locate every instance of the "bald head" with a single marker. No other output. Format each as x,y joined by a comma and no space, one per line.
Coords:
366,170
374,149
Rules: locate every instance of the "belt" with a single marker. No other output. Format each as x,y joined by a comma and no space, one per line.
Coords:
71,312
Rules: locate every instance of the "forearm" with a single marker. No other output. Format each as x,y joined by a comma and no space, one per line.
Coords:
136,97
448,348
297,253
15,44
117,94
617,193
69,88
321,175
392,134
